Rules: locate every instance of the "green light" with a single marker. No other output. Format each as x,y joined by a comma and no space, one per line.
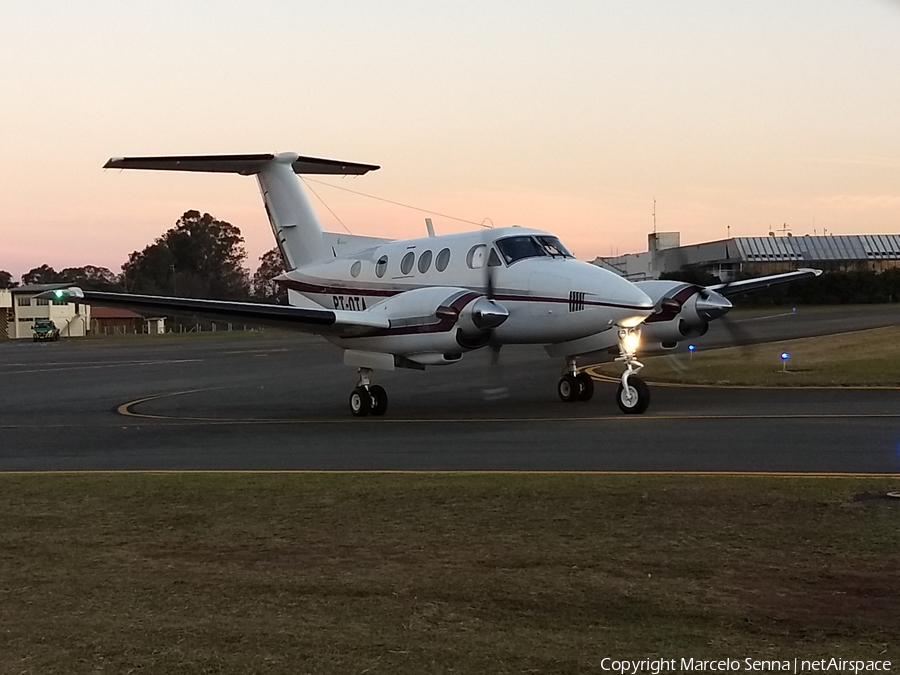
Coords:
59,293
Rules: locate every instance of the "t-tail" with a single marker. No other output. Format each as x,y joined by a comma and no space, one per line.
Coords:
294,223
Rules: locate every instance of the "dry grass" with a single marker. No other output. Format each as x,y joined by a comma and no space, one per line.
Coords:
863,358
439,574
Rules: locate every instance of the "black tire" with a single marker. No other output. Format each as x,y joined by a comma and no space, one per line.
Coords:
586,386
568,388
360,402
379,399
638,401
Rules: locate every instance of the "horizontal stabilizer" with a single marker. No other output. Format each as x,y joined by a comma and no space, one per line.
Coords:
245,165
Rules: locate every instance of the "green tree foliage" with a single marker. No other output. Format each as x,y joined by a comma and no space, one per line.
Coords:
6,280
271,265
42,275
832,288
92,278
691,275
200,257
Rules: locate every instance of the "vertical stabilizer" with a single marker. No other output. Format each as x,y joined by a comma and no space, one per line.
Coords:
294,223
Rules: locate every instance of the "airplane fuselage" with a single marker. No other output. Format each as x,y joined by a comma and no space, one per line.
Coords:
551,297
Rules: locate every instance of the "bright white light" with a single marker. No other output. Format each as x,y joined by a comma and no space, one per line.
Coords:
631,321
631,341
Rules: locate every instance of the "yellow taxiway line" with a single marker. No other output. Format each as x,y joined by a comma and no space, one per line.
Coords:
447,472
126,409
602,377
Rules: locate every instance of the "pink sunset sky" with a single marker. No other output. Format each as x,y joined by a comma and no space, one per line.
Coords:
568,116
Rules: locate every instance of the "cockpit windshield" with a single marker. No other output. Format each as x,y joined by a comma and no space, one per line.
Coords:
528,246
554,247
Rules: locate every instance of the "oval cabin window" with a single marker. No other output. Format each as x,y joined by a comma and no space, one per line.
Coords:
442,260
381,266
407,263
424,262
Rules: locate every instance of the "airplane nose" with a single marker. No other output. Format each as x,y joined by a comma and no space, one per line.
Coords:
632,303
632,297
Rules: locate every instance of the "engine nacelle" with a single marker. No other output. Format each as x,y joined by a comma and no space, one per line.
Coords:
682,311
432,326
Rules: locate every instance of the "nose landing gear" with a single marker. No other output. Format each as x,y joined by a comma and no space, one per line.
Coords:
367,398
633,395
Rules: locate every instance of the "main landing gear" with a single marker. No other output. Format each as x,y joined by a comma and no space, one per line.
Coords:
367,398
574,386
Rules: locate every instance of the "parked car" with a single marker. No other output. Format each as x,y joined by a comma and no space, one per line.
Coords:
44,329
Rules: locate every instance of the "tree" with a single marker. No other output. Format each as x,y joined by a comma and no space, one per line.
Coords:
271,264
42,275
92,278
6,280
200,257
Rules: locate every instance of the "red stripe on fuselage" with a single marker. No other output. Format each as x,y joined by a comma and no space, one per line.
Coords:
304,287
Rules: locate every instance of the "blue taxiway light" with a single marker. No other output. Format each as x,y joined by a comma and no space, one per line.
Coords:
785,356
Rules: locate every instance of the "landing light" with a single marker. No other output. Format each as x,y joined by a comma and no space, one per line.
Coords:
631,340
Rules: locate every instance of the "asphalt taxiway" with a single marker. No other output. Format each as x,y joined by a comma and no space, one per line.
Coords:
254,401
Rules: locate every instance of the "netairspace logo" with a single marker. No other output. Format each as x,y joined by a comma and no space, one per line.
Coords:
795,666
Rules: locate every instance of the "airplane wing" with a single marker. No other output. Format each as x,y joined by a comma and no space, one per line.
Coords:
318,321
735,287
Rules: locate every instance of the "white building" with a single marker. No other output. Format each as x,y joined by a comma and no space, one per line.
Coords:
19,307
642,266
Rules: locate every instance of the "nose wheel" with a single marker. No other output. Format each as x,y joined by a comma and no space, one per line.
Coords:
367,398
633,396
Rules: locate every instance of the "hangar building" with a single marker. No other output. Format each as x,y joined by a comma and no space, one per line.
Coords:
757,256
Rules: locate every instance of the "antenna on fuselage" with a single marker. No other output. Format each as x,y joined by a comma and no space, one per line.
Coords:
429,226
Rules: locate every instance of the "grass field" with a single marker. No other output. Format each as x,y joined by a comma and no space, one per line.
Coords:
862,358
440,573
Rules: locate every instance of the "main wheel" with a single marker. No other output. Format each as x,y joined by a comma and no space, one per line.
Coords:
360,402
568,388
586,386
379,399
635,399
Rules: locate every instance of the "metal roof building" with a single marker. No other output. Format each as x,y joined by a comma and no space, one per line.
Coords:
769,255
756,256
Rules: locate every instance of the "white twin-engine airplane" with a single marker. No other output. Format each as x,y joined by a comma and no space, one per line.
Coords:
425,302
